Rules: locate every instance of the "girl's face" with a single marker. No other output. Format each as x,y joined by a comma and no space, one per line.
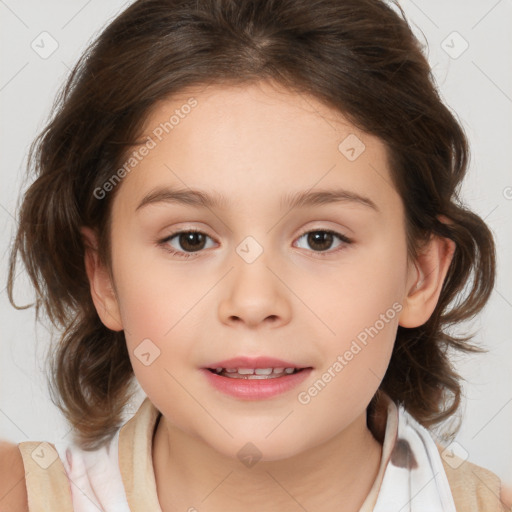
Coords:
318,283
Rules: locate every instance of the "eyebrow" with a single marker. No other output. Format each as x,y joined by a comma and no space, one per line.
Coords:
216,200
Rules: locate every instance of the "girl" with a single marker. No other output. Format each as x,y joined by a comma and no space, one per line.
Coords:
250,208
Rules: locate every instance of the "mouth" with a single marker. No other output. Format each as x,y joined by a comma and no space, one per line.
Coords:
255,378
256,373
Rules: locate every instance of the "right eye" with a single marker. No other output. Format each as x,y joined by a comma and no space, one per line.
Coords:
191,241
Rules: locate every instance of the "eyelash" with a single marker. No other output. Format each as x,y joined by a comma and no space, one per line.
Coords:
164,242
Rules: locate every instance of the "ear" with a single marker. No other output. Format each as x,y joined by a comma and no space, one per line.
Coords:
102,289
425,280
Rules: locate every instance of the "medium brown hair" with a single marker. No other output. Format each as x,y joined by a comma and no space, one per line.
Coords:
358,57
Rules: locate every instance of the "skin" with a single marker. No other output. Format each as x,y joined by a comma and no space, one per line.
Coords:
255,144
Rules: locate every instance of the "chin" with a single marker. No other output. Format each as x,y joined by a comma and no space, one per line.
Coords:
250,450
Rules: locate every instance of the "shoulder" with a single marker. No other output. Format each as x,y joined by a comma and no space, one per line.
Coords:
474,487
506,496
13,491
40,473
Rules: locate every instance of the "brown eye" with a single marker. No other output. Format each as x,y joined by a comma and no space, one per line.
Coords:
321,240
191,241
185,243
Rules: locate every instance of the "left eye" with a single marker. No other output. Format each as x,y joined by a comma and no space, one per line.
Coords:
192,241
322,239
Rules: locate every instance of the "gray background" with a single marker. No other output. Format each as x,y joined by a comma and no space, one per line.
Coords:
476,83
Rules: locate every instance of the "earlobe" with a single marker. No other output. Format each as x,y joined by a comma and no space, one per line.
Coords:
428,275
101,287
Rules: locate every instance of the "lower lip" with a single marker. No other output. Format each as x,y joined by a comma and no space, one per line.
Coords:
256,389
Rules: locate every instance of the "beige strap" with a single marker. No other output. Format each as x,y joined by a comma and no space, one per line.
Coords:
135,459
46,479
474,488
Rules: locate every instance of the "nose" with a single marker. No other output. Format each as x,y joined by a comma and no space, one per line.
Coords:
255,295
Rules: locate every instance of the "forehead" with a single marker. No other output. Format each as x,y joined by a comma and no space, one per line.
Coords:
249,141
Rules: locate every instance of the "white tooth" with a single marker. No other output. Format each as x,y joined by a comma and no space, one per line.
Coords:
245,371
289,370
230,370
263,371
218,370
278,370
264,377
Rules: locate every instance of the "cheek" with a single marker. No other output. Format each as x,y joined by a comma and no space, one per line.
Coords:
154,293
355,294
360,307
355,358
158,319
153,306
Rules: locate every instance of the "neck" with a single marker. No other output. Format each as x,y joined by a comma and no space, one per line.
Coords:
336,475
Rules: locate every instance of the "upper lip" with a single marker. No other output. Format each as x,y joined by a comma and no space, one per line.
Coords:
254,362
